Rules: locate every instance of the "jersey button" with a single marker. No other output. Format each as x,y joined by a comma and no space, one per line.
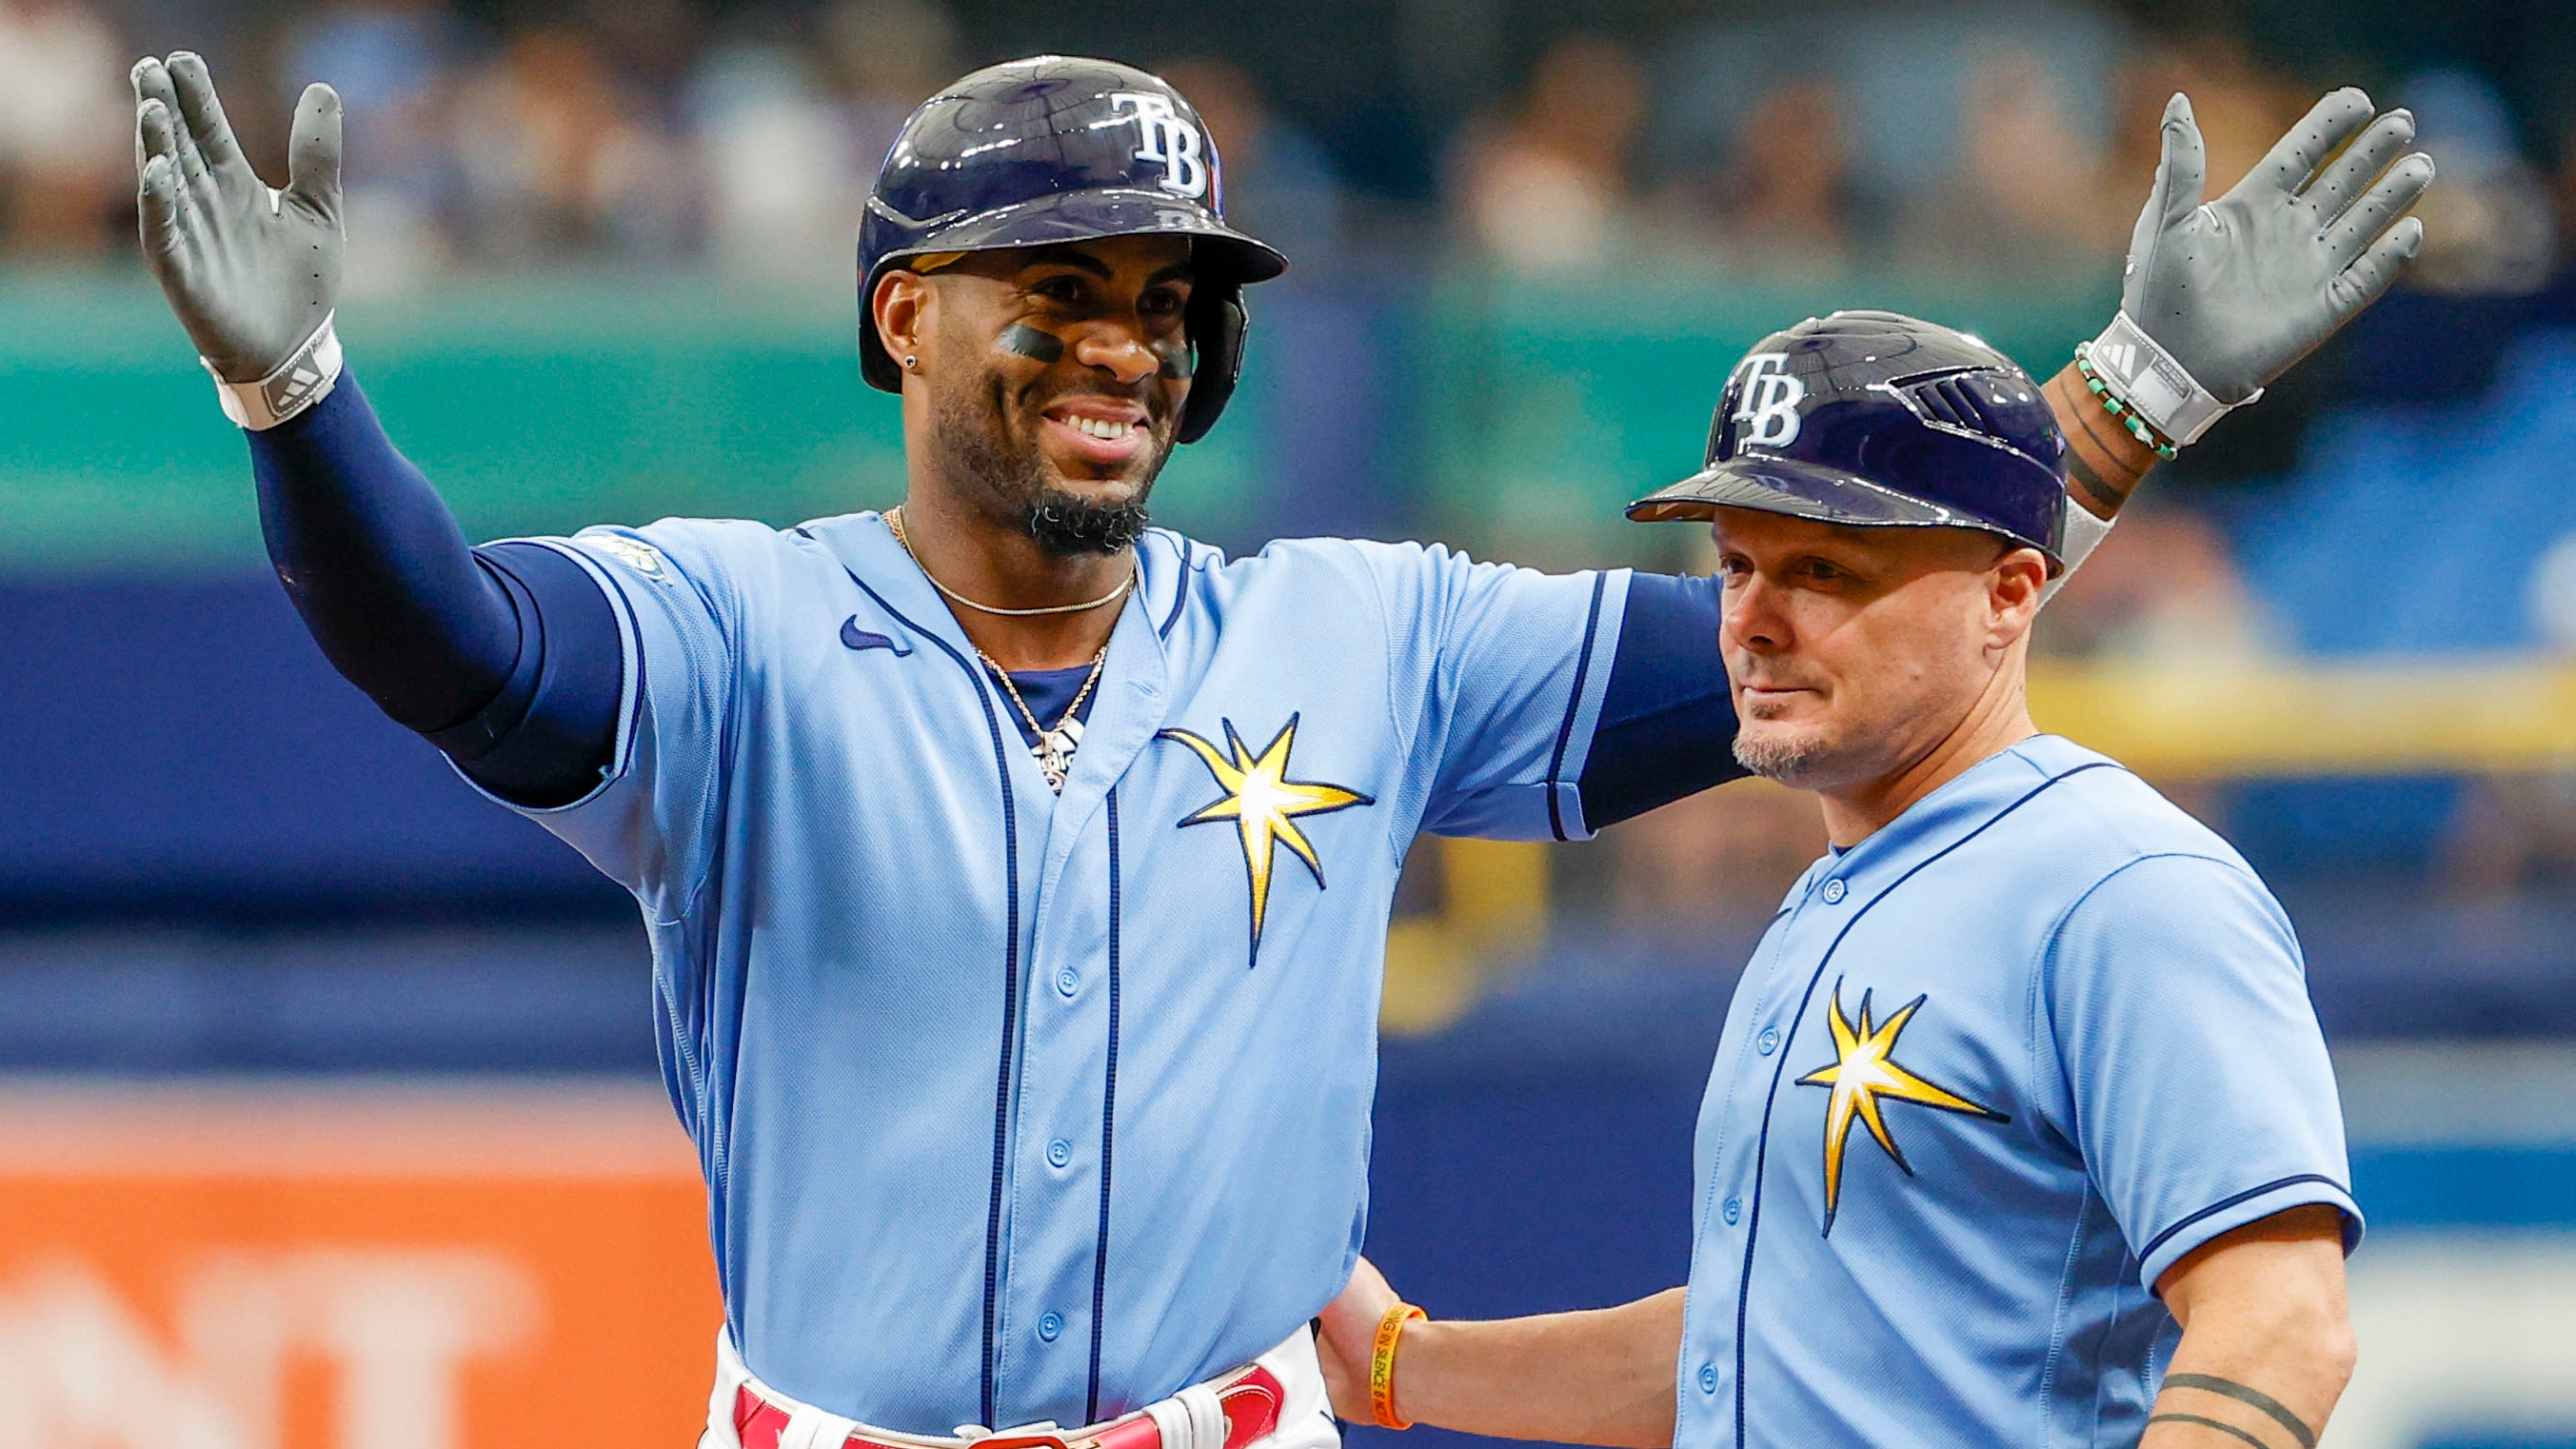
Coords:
1059,1152
1768,1042
1708,1378
1732,1210
1068,981
1834,890
1050,1325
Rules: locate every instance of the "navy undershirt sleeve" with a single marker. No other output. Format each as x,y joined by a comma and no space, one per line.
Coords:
509,663
546,738
1667,725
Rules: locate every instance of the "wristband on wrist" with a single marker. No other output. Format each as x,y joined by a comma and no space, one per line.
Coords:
2147,381
2120,412
2083,532
306,377
1382,1365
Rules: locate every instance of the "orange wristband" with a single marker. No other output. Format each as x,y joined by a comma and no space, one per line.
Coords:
1382,1365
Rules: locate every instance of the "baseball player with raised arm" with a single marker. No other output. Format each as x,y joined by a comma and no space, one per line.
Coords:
2021,1129
984,843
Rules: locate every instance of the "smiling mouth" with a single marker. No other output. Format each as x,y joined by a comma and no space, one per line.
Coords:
1100,431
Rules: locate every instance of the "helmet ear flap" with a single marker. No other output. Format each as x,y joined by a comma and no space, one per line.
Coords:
1218,321
876,364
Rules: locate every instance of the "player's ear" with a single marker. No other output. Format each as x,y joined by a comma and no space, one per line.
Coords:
2014,587
900,312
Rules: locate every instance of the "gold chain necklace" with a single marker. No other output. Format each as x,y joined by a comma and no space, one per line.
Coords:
894,524
1054,748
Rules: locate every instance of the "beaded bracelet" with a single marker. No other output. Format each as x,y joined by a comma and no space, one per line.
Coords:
2127,415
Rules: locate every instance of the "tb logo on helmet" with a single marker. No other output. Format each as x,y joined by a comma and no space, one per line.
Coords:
1169,140
1766,401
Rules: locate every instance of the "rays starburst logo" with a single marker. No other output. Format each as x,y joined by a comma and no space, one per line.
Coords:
1264,805
1863,1076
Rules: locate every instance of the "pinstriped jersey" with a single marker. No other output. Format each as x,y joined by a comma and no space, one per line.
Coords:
1016,1106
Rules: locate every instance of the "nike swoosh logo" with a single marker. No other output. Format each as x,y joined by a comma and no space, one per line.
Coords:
858,638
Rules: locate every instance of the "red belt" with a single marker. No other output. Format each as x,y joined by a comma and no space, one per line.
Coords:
1251,1401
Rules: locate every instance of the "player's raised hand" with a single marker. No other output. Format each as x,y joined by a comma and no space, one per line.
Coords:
252,272
2237,289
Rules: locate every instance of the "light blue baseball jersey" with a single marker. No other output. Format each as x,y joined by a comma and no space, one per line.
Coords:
1990,1073
1015,1106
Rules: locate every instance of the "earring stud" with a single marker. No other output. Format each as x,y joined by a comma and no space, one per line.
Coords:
912,364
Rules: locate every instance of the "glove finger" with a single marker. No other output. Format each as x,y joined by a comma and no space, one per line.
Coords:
157,204
2360,284
2378,209
2182,165
2296,156
204,113
313,153
135,78
153,136
152,83
2348,175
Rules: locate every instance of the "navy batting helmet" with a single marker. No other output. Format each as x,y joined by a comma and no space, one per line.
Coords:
1880,420
1060,149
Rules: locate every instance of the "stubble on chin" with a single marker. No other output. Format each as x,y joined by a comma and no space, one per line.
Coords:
1790,757
1015,486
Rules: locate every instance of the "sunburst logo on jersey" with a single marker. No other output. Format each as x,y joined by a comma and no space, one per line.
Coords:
1864,1074
1264,805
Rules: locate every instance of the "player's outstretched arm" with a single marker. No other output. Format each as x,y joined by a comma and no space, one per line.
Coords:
1603,1376
2266,1346
2222,297
370,556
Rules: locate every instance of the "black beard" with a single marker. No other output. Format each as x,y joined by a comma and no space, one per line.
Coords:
1014,485
1066,523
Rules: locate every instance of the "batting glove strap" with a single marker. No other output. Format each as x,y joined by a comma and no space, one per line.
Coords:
305,378
2154,386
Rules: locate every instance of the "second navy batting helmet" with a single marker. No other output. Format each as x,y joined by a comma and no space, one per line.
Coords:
1057,149
1874,419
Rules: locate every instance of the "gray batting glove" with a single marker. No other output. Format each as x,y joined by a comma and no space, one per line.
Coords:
252,273
2220,298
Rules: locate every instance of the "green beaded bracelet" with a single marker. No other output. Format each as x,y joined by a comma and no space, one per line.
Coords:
2128,417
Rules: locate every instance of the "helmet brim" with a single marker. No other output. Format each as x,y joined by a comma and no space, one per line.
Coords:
1081,216
1811,491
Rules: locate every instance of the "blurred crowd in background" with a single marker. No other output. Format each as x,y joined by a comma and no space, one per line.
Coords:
1990,138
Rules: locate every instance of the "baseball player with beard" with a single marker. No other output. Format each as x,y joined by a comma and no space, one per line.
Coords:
984,843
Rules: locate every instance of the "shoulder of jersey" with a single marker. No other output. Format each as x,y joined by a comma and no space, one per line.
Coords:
2105,816
704,550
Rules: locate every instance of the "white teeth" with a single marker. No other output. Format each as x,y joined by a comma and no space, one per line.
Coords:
1101,427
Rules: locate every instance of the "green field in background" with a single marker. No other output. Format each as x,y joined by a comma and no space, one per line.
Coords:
1525,415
